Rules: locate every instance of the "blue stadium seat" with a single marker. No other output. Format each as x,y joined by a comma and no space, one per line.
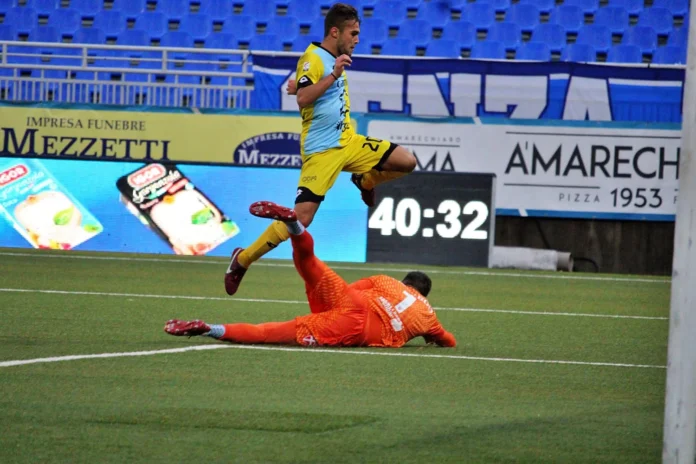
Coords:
553,35
23,19
660,19
43,7
362,48
222,41
570,17
393,12
498,5
199,25
634,7
488,50
360,5
456,5
624,54
111,22
464,34
174,10
399,46
306,11
8,32
219,10
135,37
642,36
536,51
44,34
509,34
317,26
374,31
669,55
544,6
66,20
301,43
87,8
130,9
444,48
419,31
596,35
241,26
481,14
678,37
613,17
677,7
261,11
588,7
89,36
176,39
524,15
436,13
413,4
579,53
266,42
154,23
285,27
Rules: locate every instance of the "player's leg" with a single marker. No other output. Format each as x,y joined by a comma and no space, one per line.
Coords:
375,161
279,333
318,174
325,288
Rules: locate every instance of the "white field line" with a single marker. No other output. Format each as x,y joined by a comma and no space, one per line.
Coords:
299,302
385,352
366,267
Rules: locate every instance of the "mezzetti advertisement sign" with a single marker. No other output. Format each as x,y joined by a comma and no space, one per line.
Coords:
584,170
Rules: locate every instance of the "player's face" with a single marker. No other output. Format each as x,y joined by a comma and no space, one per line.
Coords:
348,38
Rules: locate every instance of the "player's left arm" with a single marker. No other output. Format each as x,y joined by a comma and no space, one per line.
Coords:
439,336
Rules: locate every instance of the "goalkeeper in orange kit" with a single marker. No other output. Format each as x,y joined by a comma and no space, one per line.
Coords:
375,311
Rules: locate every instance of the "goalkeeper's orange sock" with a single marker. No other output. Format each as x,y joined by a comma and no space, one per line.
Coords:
373,178
277,333
273,236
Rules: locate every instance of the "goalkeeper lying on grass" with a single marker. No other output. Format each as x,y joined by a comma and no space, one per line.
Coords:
375,311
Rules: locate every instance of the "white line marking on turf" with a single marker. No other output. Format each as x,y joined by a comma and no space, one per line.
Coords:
21,362
261,300
367,267
387,352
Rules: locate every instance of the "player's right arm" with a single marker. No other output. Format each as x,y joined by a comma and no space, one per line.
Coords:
310,83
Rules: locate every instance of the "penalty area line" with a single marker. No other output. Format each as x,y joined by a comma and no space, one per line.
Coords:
386,352
298,302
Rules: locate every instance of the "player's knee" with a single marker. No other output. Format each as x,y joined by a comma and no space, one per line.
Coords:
401,160
410,162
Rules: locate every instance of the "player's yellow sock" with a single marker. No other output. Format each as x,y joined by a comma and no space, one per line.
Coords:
373,178
273,236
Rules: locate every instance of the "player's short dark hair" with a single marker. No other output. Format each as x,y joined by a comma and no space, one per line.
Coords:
338,15
418,280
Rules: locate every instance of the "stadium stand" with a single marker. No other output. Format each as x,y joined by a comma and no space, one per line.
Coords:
616,31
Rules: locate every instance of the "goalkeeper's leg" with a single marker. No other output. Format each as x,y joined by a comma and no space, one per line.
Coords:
324,287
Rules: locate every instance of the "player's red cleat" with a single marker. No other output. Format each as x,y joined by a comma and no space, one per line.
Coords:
270,210
234,274
368,196
186,328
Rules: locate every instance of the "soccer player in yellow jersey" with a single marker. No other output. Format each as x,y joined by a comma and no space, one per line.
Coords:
376,311
329,143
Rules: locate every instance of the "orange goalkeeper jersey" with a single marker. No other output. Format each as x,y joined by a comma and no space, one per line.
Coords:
405,313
